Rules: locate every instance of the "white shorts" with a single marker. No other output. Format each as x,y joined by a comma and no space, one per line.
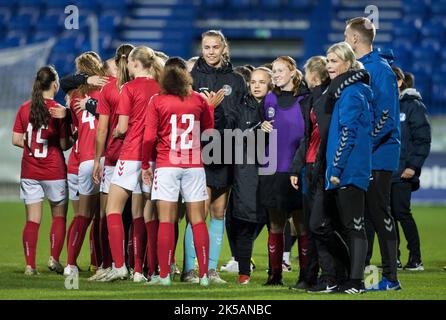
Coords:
169,182
107,174
34,191
73,186
86,185
127,175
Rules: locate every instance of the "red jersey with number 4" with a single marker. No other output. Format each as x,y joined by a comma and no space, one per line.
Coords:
107,105
133,102
176,125
42,156
86,124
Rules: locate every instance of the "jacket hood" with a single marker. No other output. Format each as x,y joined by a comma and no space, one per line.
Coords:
203,67
348,78
410,93
376,54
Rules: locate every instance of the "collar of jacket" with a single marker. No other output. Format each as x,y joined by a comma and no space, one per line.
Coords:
203,67
346,79
377,54
251,102
410,93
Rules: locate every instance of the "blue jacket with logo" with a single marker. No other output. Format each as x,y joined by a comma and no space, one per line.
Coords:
385,111
349,138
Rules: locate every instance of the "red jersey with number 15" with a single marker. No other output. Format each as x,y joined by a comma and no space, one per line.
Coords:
86,124
133,102
42,156
176,125
107,105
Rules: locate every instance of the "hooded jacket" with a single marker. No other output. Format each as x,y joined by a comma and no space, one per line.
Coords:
207,78
349,140
244,200
415,136
385,110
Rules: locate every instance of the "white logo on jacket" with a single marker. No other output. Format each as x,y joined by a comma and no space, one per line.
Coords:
402,117
228,89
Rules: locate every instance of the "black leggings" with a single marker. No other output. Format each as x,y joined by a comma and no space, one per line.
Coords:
350,201
244,234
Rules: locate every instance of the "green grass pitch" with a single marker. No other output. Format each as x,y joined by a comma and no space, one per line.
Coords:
429,284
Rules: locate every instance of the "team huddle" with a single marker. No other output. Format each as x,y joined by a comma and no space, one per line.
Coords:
139,124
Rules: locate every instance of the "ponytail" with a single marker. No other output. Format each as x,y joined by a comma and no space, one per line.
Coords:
149,60
39,115
121,58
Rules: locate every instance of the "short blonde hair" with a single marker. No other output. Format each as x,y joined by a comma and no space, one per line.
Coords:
317,65
345,52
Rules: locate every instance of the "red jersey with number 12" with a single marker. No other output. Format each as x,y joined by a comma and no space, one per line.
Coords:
176,125
133,102
42,156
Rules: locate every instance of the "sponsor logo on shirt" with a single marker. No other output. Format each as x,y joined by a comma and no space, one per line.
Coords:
228,89
402,117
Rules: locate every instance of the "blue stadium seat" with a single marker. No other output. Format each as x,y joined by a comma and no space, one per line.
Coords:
20,23
108,21
40,36
438,6
118,5
214,3
30,3
418,7
240,4
433,29
271,3
300,4
52,4
405,29
49,22
14,39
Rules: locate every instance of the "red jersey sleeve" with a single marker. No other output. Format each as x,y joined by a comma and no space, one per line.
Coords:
124,101
18,124
150,132
103,104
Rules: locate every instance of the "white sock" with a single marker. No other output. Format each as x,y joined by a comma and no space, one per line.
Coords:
286,257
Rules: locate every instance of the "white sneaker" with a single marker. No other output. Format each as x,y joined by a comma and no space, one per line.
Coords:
29,271
230,266
158,281
71,271
116,274
99,274
55,266
139,277
190,277
214,277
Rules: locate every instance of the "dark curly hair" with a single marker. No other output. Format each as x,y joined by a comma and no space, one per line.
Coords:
176,80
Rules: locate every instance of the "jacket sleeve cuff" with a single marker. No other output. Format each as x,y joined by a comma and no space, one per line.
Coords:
336,172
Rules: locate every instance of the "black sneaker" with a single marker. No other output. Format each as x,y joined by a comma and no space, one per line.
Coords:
300,285
351,287
414,266
274,280
324,287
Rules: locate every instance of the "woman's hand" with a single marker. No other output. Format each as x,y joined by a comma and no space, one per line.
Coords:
408,173
267,126
147,177
295,182
97,172
214,99
58,113
335,181
97,81
80,104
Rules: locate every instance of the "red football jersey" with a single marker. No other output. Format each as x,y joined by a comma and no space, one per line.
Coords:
42,156
86,124
133,102
176,125
73,160
107,105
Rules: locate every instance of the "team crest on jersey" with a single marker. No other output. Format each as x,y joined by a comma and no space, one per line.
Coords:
271,112
402,117
228,89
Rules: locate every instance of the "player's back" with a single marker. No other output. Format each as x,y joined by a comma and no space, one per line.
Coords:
42,156
134,100
86,124
180,123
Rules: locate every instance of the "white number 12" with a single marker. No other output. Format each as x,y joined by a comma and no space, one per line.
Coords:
183,144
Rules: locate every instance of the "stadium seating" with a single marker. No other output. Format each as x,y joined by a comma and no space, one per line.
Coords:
414,29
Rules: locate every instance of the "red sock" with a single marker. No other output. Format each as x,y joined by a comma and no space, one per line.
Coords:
303,249
105,246
69,229
201,241
76,238
275,251
57,236
166,239
95,245
139,240
30,235
116,238
152,236
130,251
176,241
